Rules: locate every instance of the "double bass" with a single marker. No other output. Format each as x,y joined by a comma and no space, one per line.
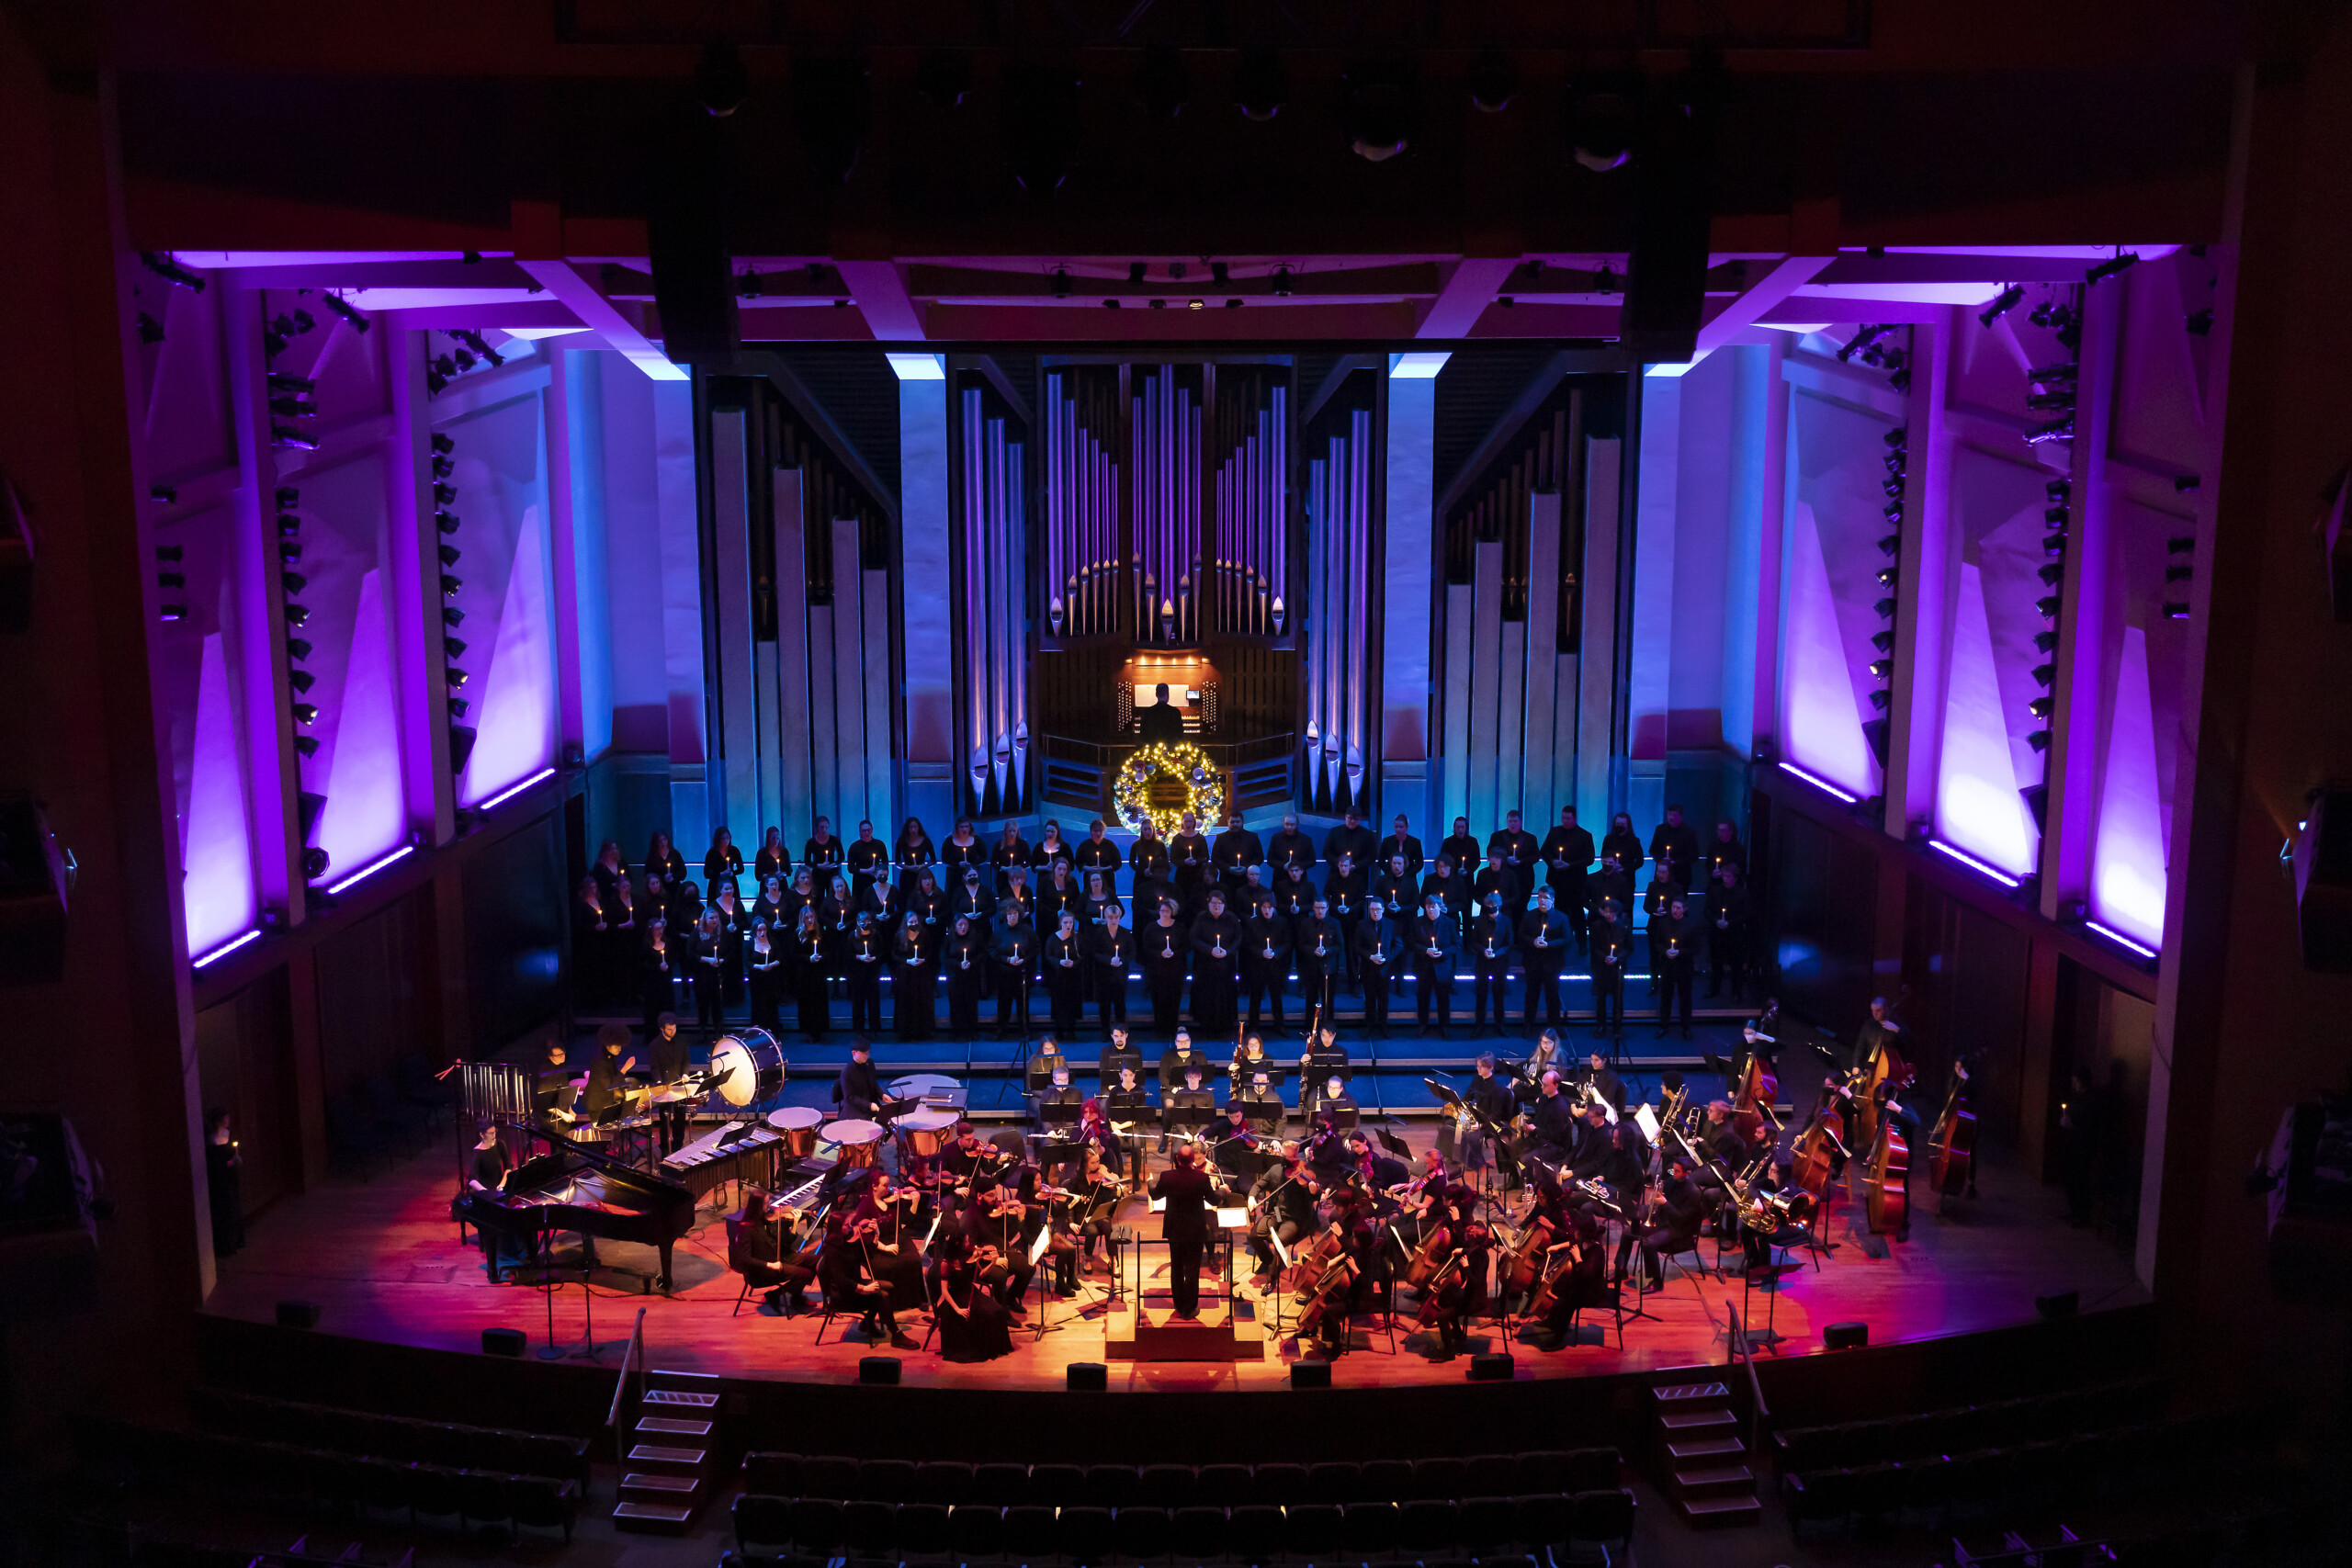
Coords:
1758,1087
1886,1064
1817,1148
1889,1180
1952,1164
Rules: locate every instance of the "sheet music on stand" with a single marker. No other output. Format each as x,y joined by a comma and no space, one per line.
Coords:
1646,1119
1037,1248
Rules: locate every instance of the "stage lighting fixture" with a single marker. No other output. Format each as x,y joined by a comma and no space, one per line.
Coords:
167,494
2040,706
345,309
2008,299
2047,607
2044,675
443,467
1600,130
1866,338
172,613
297,649
449,585
2045,642
1894,462
453,647
315,864
1886,608
171,580
1235,303
1892,488
169,552
455,676
457,707
281,381
832,113
2056,430
2180,544
282,435
1883,641
163,266
1061,283
451,554
481,346
1880,697
293,582
443,494
2044,402
463,359
1195,304
451,615
1138,271
2039,739
1881,669
2122,261
307,744
306,713
1604,280
1258,85
1220,275
1039,125
1162,86
2053,374
2175,611
443,443
1890,545
2183,483
2198,323
446,520
1110,304
748,285
2056,516
150,329
1282,283
1160,304
2053,544
1493,85
1900,379
292,407
2052,573
1378,112
296,614
300,680
2059,490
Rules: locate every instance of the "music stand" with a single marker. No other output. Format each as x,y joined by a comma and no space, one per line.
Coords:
1393,1145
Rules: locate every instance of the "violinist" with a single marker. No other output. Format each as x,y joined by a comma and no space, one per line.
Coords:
1235,1145
1424,1195
999,1221
972,1325
1047,1209
767,1255
1282,1206
1378,1171
1094,1132
971,1159
896,1213
1093,1201
855,1279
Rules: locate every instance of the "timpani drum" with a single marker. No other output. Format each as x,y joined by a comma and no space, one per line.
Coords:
926,1132
797,1125
857,1143
749,1066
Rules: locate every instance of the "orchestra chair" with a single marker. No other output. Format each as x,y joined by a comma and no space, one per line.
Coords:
735,1260
1698,1262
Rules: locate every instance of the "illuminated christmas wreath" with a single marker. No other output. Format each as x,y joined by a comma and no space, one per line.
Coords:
1131,787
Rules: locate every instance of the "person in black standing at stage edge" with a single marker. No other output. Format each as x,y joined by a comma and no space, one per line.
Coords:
592,946
1237,849
1343,892
1063,958
1151,874
963,958
1728,916
1492,936
1216,945
1188,1192
1012,965
1167,948
1400,842
1568,855
1674,935
774,859
1542,948
868,953
823,854
723,866
914,979
1110,950
1188,850
764,959
662,860
1009,851
1377,949
1433,959
224,1180
805,952
1674,840
1289,847
1317,946
1610,947
1100,853
1265,957
658,973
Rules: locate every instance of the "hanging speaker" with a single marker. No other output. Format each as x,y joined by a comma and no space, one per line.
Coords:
1666,289
685,226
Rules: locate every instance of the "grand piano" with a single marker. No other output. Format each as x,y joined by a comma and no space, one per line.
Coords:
573,1187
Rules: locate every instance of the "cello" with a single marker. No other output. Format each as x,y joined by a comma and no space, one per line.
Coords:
1817,1148
1757,1086
1889,1180
1952,1164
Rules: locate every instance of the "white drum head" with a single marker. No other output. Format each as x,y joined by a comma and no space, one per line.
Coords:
853,1131
793,1118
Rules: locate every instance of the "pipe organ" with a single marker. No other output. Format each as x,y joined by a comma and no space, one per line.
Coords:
992,524
1340,518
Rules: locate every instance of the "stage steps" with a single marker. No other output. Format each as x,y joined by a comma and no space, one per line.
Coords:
1701,1457
669,1462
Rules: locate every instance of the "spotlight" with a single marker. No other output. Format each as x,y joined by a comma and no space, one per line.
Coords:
475,341
293,582
1282,283
1883,641
1604,281
1890,545
2040,706
1866,338
1600,130
2198,323
1258,85
2043,402
1235,303
1886,608
167,494
462,360
1493,85
2047,608
1138,271
2183,483
2039,739
169,552
295,615
2055,374
150,329
1162,86
1195,305
451,615
2175,611
315,864
443,443
2059,490
2121,262
2052,572
163,264
297,649
281,382
1061,283
1888,574
443,494
446,520
1881,669
2180,544
435,383
1160,304
2045,642
457,707
1894,462
307,744
283,436
1881,698
1892,488
443,467
171,580
2003,303
2061,429
449,585
1040,126
1379,112
172,611
2056,516
1110,304
748,285
293,408
455,676
345,309
449,554
300,680
2044,675
2053,544
1221,275
453,647
306,713
944,78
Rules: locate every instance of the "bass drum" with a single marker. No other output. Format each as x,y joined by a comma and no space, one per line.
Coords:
749,1066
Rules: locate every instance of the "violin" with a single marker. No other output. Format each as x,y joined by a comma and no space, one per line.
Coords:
1951,1167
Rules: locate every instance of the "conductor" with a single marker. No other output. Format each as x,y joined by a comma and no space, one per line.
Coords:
1186,1189
1161,721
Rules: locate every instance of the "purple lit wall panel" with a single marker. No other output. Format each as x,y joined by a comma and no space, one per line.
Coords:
1821,721
189,427
197,688
1996,509
357,767
2160,366
632,512
2128,854
500,479
347,364
1833,563
1977,805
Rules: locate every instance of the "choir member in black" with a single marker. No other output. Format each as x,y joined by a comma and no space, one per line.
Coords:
682,905
927,903
1519,852
774,905
821,853
1189,1193
858,1088
962,848
1446,880
1237,849
1215,941
1676,1213
1676,843
1012,965
841,923
855,1277
1289,847
1344,885
1188,850
1051,850
773,860
625,942
1542,948
1063,958
1094,899
1009,851
486,1173
1462,847
1492,936
810,968
764,1255
764,961
965,959
1612,883
1502,879
1099,853
971,899
224,1180
659,971
1611,945
1110,950
1400,842
1318,948
1059,893
914,979
1352,838
1675,938
1433,958
805,893
1294,895
866,858
866,955
610,871
1019,894
1568,855
913,853
1265,957
735,924
1399,892
662,860
1622,843
723,866
1728,917
592,944
1243,900
1148,858
1660,892
1282,1205
1379,949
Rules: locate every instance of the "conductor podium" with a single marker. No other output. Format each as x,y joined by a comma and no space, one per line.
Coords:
1138,1328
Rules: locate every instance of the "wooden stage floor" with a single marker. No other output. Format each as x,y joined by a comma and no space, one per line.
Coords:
381,1259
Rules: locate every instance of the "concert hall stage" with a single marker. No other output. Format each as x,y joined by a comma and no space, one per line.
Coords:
382,1259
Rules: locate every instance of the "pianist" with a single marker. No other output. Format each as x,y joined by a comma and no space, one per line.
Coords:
487,1176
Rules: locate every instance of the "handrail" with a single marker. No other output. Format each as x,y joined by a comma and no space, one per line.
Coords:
1741,1353
634,1353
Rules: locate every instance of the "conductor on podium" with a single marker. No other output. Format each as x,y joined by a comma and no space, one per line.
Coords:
1187,1190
